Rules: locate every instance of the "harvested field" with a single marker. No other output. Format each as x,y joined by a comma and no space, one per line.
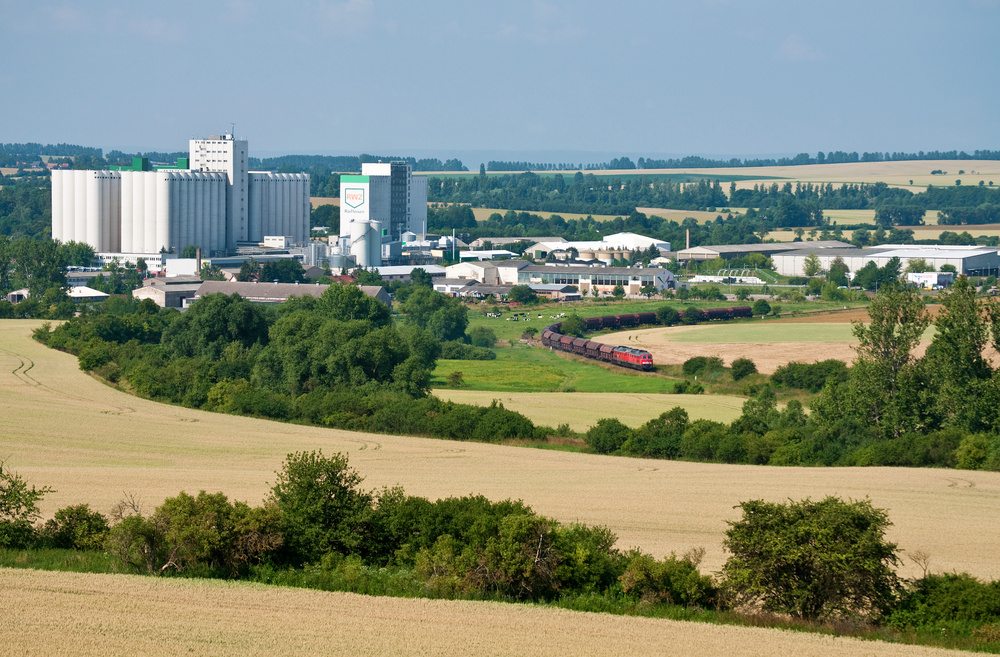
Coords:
317,201
46,613
769,344
92,443
582,410
676,344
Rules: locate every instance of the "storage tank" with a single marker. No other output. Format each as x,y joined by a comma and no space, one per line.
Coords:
359,242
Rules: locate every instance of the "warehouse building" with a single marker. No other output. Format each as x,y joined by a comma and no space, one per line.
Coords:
209,200
970,260
729,251
603,279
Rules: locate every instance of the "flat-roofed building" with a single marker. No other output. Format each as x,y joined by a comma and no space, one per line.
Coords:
729,251
971,260
602,279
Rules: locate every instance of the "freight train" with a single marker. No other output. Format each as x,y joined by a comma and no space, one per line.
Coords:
637,359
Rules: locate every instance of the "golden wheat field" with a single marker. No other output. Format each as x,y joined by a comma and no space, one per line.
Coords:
46,613
92,444
582,410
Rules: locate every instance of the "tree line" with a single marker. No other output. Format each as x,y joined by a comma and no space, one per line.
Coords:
582,193
339,360
699,162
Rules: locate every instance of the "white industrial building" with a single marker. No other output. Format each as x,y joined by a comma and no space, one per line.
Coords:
611,247
376,209
972,260
602,279
210,201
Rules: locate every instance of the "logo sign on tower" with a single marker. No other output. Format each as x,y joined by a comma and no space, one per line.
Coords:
354,197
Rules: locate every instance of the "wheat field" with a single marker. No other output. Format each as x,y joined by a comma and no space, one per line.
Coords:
93,444
582,410
49,614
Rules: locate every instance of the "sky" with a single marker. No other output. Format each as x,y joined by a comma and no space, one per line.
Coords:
551,81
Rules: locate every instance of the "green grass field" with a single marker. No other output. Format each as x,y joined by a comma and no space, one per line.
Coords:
509,330
534,369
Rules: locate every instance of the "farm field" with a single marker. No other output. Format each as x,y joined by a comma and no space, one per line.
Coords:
316,201
48,613
769,344
534,369
581,410
92,444
896,174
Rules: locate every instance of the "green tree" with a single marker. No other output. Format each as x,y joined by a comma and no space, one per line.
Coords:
18,509
523,294
813,560
573,325
190,251
742,368
420,278
608,435
286,270
445,317
760,307
838,272
812,266
667,316
618,292
76,528
249,271
322,507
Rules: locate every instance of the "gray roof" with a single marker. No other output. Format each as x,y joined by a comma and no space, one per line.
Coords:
272,292
583,269
770,247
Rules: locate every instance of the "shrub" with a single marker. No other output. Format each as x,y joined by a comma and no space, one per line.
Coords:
322,506
458,350
947,598
76,528
18,509
607,436
671,581
742,368
842,564
760,307
810,376
973,451
668,316
482,336
691,316
702,365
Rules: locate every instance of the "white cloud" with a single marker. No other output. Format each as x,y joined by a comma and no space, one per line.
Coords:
795,49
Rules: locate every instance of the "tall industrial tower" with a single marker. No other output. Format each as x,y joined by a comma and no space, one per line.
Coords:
226,154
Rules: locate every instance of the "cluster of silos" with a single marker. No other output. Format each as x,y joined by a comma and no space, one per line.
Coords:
366,243
278,205
85,208
173,209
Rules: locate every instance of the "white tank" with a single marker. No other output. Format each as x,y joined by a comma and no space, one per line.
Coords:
359,242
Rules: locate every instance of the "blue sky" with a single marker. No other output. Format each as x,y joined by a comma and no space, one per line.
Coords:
509,79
